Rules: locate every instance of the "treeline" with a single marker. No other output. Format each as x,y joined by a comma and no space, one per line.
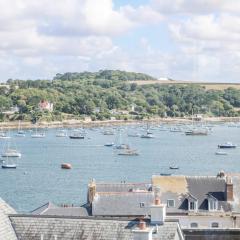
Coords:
107,94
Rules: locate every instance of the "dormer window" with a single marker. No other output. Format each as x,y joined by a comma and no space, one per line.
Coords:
212,203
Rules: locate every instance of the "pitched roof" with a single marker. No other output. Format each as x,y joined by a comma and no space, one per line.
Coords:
122,204
179,188
6,230
30,227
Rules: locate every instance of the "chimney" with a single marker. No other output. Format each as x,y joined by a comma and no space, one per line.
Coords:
229,189
158,212
142,232
91,191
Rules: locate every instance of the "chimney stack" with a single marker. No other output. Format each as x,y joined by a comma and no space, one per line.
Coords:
142,232
91,191
229,189
158,212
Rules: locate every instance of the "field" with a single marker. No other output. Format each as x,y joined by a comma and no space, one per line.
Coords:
214,86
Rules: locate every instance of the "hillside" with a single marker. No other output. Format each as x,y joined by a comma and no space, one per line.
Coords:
122,95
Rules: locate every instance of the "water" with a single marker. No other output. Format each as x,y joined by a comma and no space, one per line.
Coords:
39,178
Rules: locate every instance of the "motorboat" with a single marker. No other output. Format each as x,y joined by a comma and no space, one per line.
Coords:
76,134
109,144
227,145
147,135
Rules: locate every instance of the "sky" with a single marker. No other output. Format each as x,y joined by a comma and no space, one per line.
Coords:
195,40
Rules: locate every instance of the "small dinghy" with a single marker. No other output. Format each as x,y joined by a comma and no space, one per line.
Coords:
109,144
220,153
173,167
66,166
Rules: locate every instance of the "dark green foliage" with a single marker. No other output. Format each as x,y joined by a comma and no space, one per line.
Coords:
102,95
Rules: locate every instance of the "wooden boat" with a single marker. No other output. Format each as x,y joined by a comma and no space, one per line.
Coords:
66,166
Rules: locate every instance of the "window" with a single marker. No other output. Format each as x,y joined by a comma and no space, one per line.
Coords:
215,225
170,203
194,225
212,205
192,206
142,204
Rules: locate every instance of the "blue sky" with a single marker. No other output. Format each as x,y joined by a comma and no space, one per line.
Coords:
195,40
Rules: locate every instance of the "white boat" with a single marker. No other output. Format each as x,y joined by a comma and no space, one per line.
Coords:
61,133
3,135
175,129
76,134
221,153
108,132
147,135
8,164
37,134
129,152
11,153
227,145
197,132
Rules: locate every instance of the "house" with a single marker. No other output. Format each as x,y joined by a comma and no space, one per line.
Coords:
197,202
15,226
45,105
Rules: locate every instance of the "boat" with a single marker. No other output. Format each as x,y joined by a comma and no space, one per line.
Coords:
134,134
173,167
61,133
109,144
76,134
108,132
3,135
147,135
197,132
129,152
227,145
221,153
165,174
20,132
7,164
175,129
122,146
38,134
66,166
11,153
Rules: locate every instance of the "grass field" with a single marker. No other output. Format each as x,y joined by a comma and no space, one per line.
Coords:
214,86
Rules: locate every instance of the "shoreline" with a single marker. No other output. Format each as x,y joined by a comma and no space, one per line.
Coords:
88,124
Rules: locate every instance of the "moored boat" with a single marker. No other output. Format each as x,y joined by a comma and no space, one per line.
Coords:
76,134
227,145
221,153
66,166
11,153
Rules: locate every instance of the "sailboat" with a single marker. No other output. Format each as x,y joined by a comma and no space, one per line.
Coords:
4,135
20,132
8,164
148,134
38,134
8,151
119,144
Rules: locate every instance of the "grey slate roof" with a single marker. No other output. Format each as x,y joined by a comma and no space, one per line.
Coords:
6,230
54,210
122,187
179,188
122,204
30,227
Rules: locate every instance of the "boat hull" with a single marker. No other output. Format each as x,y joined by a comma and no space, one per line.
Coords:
73,137
9,166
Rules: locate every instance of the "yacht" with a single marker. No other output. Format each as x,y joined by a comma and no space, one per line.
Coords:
7,164
11,153
3,135
38,134
147,135
20,132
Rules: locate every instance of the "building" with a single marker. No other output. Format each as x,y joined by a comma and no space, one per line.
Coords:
45,105
15,226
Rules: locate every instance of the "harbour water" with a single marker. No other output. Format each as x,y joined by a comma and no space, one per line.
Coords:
39,177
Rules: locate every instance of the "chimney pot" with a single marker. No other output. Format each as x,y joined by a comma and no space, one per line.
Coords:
157,201
142,225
